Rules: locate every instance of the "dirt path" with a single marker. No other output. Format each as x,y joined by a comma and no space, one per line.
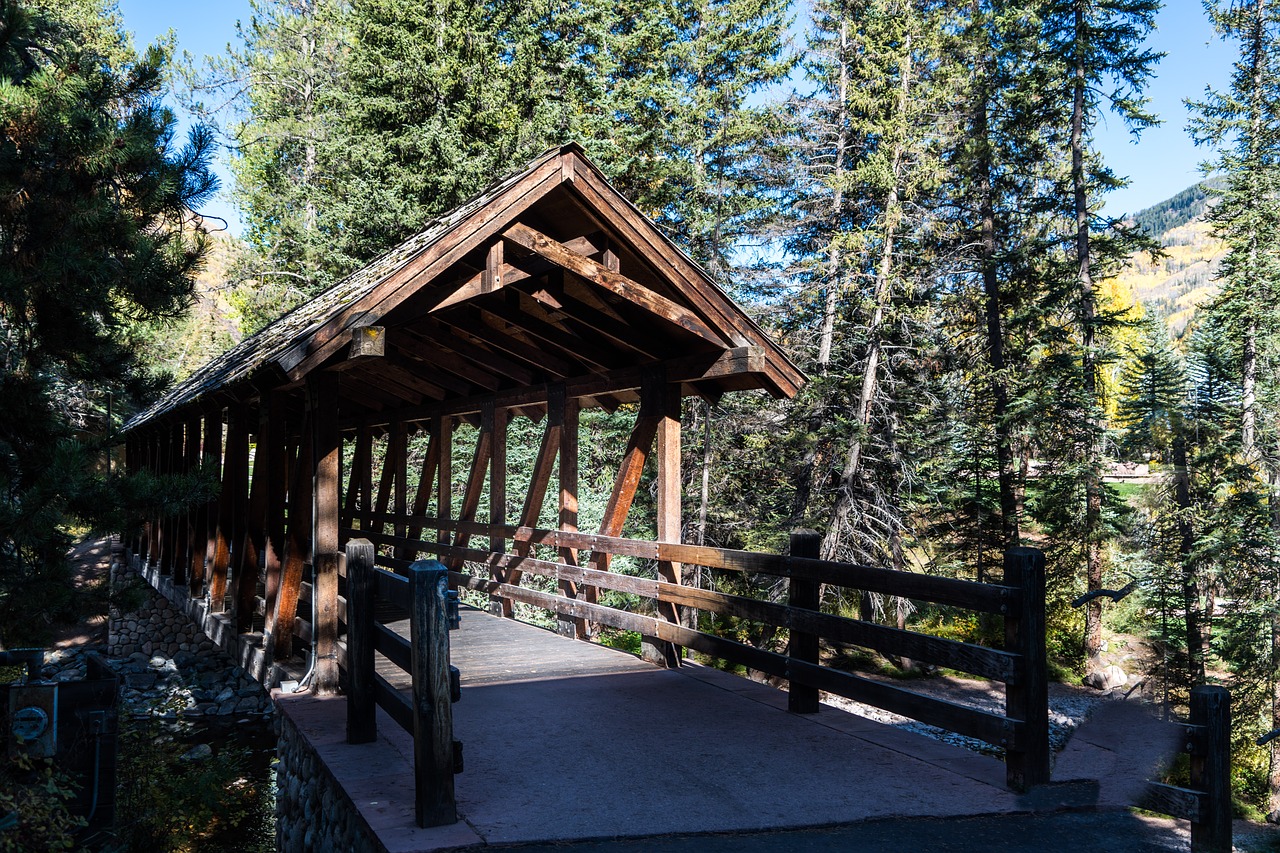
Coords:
92,561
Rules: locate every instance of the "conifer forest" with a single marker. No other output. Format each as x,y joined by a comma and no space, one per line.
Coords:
906,194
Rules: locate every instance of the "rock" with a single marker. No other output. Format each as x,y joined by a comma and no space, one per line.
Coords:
199,752
1107,678
246,705
184,659
225,694
140,680
157,662
227,708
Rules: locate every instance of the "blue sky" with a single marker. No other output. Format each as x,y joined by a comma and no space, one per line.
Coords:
1163,162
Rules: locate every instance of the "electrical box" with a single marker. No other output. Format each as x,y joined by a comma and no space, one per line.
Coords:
33,719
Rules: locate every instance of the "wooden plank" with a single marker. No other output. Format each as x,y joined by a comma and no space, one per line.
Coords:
362,720
476,350
804,593
352,499
1181,803
282,460
386,480
663,401
322,389
601,276
394,703
444,480
394,647
398,450
1027,697
442,359
491,277
194,539
539,480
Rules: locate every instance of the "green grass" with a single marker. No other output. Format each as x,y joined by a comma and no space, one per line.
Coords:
1128,491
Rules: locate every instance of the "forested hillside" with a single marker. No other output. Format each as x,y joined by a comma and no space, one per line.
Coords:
1183,277
909,198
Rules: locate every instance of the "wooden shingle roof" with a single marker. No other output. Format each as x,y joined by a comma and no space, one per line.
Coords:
547,276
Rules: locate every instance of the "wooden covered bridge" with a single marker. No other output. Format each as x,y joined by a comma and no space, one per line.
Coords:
547,294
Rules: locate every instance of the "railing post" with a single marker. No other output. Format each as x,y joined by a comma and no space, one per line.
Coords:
801,698
1211,769
362,721
1027,699
432,706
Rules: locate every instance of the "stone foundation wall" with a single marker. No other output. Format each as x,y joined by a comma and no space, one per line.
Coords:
312,810
156,628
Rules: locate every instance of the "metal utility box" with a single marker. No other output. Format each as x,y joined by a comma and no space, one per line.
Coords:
33,719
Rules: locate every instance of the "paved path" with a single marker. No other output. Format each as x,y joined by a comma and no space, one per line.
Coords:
568,742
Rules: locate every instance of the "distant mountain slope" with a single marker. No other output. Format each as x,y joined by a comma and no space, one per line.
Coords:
1172,286
1187,205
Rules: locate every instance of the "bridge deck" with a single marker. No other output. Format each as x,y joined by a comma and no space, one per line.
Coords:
565,740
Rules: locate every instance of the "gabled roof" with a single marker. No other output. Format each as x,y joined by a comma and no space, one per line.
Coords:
548,275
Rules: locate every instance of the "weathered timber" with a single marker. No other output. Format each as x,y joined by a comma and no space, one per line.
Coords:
804,593
322,388
432,703
397,706
495,423
422,495
362,720
193,541
212,450
601,276
1027,696
280,631
1211,769
1181,803
226,514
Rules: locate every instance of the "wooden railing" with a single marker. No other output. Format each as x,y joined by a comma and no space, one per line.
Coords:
1207,803
1022,730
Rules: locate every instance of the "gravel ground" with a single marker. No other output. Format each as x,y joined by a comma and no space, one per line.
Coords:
1069,706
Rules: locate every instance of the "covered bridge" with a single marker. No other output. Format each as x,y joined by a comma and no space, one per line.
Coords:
545,294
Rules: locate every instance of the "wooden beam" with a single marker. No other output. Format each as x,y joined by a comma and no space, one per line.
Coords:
422,495
491,277
356,500
444,481
225,518
297,534
548,450
562,407
601,276
665,400
477,227
275,434
213,462
322,389
398,450
495,421
475,484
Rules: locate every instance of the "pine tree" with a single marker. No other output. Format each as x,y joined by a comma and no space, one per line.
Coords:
1154,388
97,233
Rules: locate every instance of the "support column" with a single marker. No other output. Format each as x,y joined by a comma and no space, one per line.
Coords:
215,543
323,391
663,400
274,436
495,423
444,481
568,408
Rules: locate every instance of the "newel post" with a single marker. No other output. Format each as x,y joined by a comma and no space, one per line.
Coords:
1211,769
1027,697
432,704
362,722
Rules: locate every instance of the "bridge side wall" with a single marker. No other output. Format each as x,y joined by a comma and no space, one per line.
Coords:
313,812
157,627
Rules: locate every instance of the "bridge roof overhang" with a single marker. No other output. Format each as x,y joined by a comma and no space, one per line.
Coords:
547,277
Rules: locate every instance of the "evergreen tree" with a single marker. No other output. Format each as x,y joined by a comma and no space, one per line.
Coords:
97,232
1153,383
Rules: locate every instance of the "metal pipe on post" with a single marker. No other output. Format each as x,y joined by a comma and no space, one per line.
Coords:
1027,699
804,592
433,759
362,721
1211,769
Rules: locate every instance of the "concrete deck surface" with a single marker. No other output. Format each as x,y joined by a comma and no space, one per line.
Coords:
568,741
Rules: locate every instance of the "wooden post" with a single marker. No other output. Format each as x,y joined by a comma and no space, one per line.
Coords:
421,497
1028,698
444,481
225,518
362,721
804,592
665,402
168,457
323,389
398,447
212,450
253,538
432,707
1211,769
193,558
495,423
567,407
280,628
275,436
153,528
238,517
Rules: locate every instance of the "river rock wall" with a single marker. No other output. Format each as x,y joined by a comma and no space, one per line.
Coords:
312,811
